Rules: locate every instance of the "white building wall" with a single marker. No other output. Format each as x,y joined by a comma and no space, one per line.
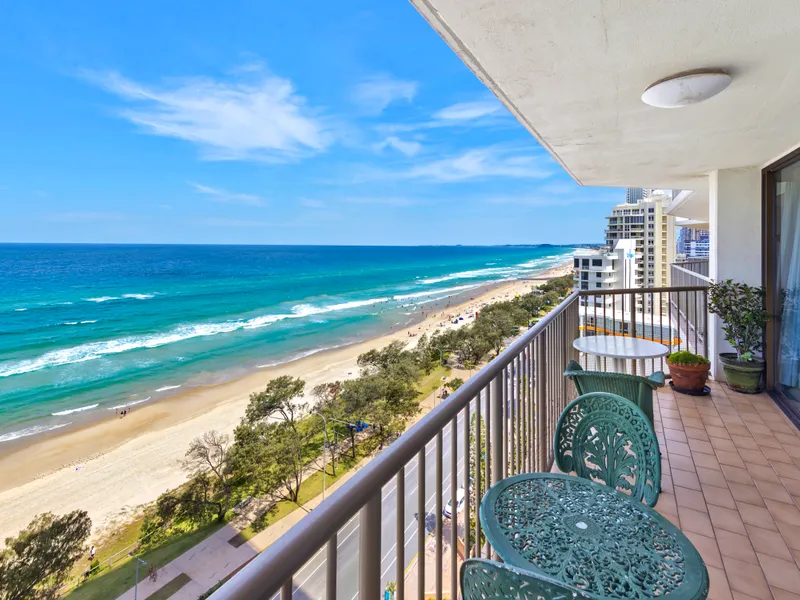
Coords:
735,239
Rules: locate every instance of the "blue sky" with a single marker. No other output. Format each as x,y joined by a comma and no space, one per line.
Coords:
257,122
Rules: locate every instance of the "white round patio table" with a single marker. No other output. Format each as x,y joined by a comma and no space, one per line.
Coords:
619,348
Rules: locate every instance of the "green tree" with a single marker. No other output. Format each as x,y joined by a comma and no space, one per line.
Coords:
208,461
36,563
278,398
454,383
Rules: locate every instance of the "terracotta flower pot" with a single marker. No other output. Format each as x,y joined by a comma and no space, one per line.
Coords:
691,378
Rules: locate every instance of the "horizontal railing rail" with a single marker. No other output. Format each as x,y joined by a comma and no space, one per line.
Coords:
500,422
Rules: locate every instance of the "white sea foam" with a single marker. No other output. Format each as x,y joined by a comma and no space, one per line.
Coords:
305,310
168,387
457,288
100,299
7,437
20,309
80,322
62,413
135,402
139,296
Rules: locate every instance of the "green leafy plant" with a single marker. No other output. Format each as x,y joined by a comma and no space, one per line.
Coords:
742,310
687,359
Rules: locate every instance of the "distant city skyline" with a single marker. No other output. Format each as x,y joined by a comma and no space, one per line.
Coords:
353,124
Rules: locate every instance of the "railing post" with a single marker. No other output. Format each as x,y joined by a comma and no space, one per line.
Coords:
331,569
541,403
369,548
497,425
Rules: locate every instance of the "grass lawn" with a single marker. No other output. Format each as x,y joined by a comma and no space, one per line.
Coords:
111,584
173,586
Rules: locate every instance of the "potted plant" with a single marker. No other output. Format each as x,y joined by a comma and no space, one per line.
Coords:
689,371
742,310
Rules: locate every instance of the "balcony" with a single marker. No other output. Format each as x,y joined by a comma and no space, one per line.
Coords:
731,471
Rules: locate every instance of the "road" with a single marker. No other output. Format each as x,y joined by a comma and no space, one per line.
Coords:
309,581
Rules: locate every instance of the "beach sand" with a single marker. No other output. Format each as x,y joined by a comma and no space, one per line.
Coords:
110,467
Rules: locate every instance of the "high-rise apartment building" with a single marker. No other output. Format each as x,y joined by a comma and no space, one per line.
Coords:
693,243
653,230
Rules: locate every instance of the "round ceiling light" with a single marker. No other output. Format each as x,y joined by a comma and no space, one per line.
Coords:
683,89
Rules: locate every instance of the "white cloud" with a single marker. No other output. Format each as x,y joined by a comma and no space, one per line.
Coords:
481,163
252,116
217,222
376,93
396,201
311,203
467,111
407,147
86,217
222,195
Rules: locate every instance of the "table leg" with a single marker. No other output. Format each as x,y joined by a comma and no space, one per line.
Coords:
616,365
640,367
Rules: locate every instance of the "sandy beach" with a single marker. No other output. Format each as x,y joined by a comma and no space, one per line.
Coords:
110,467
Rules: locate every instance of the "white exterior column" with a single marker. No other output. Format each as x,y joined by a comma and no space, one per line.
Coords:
734,211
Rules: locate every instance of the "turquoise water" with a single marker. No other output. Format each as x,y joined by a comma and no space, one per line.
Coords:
86,329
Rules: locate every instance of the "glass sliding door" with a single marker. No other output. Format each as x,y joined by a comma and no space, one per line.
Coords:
786,279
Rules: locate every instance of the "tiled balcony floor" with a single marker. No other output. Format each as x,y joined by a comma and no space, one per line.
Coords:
731,482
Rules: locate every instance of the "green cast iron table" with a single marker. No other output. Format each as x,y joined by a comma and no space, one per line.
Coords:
592,537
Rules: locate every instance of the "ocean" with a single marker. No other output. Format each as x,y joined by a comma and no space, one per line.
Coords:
87,329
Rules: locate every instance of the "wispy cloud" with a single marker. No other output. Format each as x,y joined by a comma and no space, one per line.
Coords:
556,194
396,201
482,163
222,195
407,147
86,217
468,111
376,93
312,203
221,222
253,115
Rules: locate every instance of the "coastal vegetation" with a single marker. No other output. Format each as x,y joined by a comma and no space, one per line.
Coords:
272,459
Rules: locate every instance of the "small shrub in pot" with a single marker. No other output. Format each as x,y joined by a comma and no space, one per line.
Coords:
689,371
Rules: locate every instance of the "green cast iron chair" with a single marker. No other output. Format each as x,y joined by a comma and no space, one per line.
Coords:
638,390
487,580
608,439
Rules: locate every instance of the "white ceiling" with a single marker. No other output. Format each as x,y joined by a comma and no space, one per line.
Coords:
573,71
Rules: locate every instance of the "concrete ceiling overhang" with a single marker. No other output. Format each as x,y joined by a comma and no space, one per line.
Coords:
573,71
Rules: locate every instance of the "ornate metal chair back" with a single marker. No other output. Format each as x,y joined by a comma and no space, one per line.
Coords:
608,439
487,580
638,390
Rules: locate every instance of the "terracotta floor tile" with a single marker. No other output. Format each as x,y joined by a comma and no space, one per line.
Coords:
708,549
712,477
737,475
733,420
780,594
668,413
683,463
792,485
744,442
782,574
741,596
689,413
718,588
773,491
686,479
768,542
777,455
792,451
693,423
736,546
746,493
740,430
676,435
756,515
696,434
690,498
786,470
788,439
731,458
763,473
727,519
700,446
674,519
759,429
680,448
746,578
716,431
722,444
695,521
718,496
705,460
784,513
755,457
666,483
768,440
666,504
